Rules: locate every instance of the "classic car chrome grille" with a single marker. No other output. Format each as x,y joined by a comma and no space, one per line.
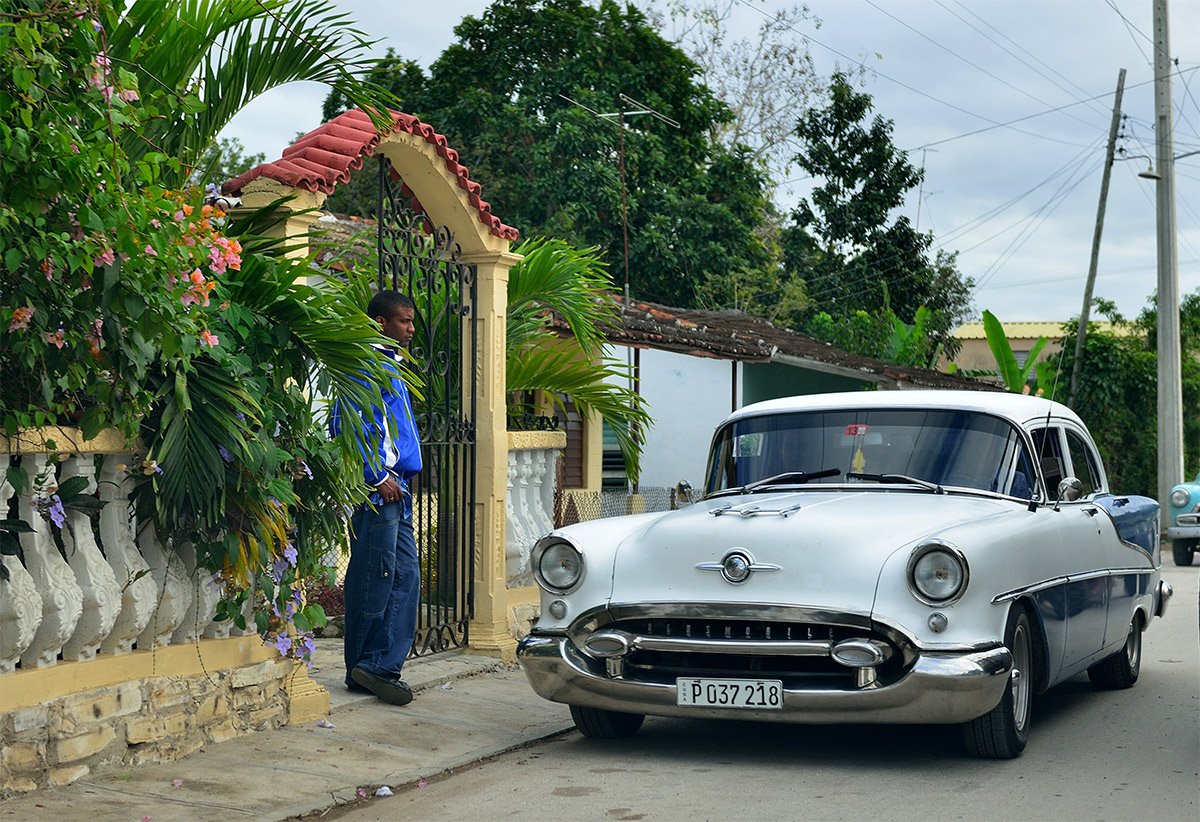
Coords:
800,654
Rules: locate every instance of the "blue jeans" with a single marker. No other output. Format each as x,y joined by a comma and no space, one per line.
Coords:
382,589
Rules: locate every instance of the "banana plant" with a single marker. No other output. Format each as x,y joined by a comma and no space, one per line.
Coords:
1014,376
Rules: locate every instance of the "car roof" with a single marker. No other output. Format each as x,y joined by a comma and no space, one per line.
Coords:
1018,408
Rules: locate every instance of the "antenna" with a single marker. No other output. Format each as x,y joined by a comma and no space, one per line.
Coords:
620,115
632,353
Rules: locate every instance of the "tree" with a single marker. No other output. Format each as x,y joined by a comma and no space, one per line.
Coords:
845,242
1116,395
553,168
764,79
224,160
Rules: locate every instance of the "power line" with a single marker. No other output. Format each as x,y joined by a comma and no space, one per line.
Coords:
1077,88
1131,28
971,63
902,84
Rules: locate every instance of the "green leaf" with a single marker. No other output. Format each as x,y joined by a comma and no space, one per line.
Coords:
93,421
72,486
18,478
17,526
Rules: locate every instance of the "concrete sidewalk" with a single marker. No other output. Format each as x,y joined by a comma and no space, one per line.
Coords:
467,708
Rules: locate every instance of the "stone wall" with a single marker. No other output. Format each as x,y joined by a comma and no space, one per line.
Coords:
154,719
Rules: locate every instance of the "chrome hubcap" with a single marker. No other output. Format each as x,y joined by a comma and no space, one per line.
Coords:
1019,680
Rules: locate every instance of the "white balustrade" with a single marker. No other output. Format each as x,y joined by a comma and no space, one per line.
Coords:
139,593
206,593
529,508
20,603
101,594
174,598
62,598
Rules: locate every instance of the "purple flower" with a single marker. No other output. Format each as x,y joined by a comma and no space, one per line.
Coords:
283,644
224,452
305,469
290,554
308,646
57,515
276,502
278,566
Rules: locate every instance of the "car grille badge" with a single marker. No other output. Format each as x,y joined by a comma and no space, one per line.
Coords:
736,566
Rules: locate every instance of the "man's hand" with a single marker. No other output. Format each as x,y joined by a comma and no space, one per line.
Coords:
390,490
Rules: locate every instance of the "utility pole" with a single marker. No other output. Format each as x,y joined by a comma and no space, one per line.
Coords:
1081,333
1170,380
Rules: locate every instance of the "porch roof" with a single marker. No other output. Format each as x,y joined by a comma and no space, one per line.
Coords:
736,336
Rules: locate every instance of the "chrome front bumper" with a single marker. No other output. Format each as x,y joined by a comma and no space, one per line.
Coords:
1175,532
941,688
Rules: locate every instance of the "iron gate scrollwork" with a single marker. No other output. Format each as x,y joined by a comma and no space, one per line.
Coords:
421,260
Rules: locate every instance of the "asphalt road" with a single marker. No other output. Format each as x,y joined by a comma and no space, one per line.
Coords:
1125,755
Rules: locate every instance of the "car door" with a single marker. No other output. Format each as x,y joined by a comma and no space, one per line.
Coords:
1123,588
1084,564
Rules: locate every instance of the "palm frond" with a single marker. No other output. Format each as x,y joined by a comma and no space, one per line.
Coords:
231,52
592,385
556,277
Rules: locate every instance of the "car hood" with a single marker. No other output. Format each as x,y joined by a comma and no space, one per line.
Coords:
829,546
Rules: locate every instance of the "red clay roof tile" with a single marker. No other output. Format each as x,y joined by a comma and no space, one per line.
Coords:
330,153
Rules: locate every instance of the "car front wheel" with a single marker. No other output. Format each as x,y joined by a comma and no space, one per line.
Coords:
1183,550
595,723
1001,733
1121,669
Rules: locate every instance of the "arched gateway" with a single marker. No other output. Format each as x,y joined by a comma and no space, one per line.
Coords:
438,241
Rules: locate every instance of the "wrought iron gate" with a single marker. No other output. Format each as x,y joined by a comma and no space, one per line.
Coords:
420,259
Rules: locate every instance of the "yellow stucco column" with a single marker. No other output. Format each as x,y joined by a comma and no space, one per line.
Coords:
489,629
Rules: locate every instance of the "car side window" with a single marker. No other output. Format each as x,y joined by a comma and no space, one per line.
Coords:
1083,464
1048,448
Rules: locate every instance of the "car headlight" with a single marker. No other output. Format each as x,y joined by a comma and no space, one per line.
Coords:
1180,497
937,573
557,564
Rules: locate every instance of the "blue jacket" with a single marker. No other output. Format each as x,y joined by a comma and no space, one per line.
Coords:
393,450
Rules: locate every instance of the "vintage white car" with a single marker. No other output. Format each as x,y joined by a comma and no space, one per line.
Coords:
874,557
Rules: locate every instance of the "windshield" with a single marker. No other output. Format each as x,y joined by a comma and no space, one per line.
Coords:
951,448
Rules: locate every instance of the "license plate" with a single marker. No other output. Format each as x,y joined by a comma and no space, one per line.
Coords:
730,693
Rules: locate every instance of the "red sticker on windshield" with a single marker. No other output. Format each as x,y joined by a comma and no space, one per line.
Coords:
855,430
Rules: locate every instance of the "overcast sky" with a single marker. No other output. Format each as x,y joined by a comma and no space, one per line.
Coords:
1018,200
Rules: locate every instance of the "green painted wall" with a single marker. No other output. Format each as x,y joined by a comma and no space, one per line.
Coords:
769,381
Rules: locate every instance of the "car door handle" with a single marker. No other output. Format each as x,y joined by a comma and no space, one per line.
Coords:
1091,512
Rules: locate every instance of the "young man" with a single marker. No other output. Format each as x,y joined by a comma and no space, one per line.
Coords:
383,579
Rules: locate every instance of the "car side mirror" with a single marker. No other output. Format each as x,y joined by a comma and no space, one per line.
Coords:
1069,490
681,494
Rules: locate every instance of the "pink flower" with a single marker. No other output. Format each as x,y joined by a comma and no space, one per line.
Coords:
105,257
127,96
178,216
74,148
149,251
55,338
20,318
156,223
47,267
208,338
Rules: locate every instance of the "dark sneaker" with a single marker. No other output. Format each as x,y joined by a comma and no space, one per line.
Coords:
354,688
392,691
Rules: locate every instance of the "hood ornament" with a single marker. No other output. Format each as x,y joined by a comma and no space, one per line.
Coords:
736,566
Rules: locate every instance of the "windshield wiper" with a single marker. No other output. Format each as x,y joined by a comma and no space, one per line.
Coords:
931,486
791,478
